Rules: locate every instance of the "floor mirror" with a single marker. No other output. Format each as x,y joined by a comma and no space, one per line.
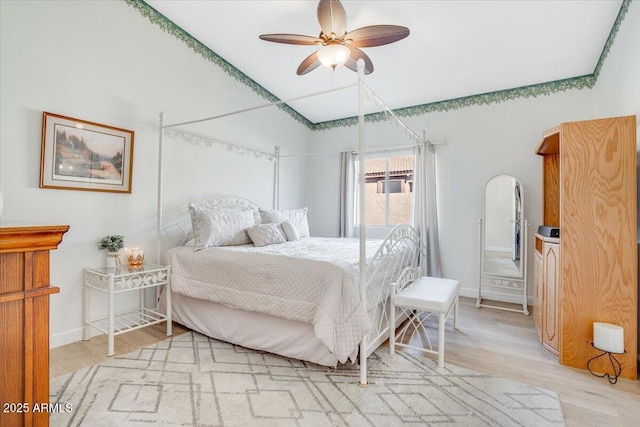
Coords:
503,245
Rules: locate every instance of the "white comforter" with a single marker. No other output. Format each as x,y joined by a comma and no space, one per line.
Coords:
313,280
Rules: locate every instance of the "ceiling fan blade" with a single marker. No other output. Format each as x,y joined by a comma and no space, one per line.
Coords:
291,39
375,35
310,63
352,62
332,18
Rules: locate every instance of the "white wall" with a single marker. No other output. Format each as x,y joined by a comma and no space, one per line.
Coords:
104,62
617,92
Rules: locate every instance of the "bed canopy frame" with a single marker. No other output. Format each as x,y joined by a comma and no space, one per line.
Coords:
363,92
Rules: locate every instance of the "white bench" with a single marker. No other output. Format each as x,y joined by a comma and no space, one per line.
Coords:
415,295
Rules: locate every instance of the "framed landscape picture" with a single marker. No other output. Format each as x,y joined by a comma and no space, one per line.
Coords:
81,155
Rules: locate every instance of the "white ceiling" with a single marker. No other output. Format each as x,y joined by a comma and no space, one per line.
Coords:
455,49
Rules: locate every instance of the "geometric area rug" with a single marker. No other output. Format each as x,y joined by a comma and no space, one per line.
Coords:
193,380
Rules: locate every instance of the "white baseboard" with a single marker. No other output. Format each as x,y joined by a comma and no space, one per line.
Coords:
64,338
494,295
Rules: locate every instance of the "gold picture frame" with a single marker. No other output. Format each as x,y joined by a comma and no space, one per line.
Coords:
81,155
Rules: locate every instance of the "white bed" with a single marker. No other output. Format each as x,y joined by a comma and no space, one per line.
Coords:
295,335
300,298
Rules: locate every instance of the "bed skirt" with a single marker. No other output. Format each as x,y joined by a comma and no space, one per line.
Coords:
250,329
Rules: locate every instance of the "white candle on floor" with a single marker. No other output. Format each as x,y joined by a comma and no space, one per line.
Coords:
608,337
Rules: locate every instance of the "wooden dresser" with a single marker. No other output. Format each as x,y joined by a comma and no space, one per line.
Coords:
589,274
24,321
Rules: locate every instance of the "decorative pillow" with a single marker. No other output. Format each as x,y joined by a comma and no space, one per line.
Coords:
220,227
297,217
290,231
266,234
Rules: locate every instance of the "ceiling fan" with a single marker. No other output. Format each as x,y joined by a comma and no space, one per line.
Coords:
339,47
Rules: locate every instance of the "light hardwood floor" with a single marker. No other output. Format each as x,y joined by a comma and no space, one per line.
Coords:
492,341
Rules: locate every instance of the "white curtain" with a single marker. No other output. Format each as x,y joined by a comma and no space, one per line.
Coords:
346,194
425,209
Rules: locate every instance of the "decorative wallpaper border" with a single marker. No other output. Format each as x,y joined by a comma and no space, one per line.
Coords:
624,8
531,91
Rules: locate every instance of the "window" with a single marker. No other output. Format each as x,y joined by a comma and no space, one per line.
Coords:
389,190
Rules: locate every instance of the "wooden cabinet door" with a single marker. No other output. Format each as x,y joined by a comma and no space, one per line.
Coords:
550,286
538,292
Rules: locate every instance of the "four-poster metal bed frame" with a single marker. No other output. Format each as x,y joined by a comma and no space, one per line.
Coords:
407,233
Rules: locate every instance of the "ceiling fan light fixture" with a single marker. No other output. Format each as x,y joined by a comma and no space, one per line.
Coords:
334,55
339,46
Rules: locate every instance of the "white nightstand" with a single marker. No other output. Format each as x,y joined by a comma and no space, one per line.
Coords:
112,281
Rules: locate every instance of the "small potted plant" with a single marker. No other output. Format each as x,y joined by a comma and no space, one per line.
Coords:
112,244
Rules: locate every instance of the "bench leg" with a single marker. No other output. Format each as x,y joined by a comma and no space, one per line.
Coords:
455,315
441,321
392,329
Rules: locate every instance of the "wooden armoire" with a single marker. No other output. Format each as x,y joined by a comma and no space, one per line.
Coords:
24,322
588,274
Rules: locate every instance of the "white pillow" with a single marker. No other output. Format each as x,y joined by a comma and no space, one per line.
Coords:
266,234
290,231
297,217
220,227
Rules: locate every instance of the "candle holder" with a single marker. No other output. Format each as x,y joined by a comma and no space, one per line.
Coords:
615,364
136,258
